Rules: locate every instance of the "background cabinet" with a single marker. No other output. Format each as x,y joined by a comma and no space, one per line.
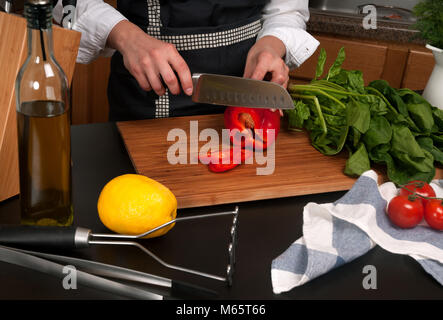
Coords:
418,69
402,65
88,92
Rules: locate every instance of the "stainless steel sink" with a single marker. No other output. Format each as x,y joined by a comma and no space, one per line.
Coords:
388,10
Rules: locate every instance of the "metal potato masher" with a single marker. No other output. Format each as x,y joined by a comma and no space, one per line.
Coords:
78,237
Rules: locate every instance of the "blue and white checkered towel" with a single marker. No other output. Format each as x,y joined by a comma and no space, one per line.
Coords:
337,233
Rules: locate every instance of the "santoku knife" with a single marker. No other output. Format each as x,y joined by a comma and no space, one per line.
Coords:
239,92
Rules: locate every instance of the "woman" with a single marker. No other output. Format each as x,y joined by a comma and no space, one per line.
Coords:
159,44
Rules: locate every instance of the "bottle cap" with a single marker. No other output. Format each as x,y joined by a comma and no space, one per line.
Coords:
38,13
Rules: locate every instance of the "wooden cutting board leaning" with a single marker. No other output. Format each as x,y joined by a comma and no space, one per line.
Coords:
13,51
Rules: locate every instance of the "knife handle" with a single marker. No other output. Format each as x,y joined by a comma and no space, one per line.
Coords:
25,236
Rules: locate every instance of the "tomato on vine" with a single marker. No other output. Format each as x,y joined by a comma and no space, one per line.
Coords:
420,188
405,211
434,214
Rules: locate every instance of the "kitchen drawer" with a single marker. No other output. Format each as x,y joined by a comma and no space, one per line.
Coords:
418,69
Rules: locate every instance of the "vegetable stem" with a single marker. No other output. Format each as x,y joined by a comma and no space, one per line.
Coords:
415,194
343,91
312,88
317,105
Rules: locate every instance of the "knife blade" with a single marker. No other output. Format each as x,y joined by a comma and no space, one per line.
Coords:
239,92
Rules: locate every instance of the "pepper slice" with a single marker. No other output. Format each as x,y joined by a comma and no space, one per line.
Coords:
222,164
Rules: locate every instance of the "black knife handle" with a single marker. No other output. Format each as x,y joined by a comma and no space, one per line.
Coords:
25,236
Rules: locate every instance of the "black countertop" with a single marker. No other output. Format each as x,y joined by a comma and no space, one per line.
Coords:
266,229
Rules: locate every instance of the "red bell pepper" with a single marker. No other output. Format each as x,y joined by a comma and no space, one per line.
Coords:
251,126
249,131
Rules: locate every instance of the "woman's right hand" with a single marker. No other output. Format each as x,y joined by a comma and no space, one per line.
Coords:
152,62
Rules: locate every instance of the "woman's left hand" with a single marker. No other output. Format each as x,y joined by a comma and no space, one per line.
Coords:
265,59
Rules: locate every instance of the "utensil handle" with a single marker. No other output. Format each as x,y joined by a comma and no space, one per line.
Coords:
44,237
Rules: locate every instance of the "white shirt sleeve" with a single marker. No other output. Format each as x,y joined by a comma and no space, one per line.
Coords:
94,19
286,20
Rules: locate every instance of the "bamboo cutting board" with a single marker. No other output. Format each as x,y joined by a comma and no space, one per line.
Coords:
299,168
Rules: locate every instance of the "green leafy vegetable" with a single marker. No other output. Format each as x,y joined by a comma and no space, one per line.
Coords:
376,124
438,116
379,133
350,80
336,66
298,115
428,145
320,64
358,116
358,162
430,21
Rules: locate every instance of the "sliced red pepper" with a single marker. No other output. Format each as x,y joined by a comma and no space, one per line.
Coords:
221,164
221,167
249,131
251,126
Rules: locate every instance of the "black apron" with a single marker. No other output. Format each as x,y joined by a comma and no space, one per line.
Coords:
213,36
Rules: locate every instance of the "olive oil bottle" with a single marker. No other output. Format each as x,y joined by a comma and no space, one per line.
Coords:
43,123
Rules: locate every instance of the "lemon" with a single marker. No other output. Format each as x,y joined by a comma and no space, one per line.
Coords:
133,204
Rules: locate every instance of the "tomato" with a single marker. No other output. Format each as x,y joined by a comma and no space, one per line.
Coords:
419,187
434,214
405,212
